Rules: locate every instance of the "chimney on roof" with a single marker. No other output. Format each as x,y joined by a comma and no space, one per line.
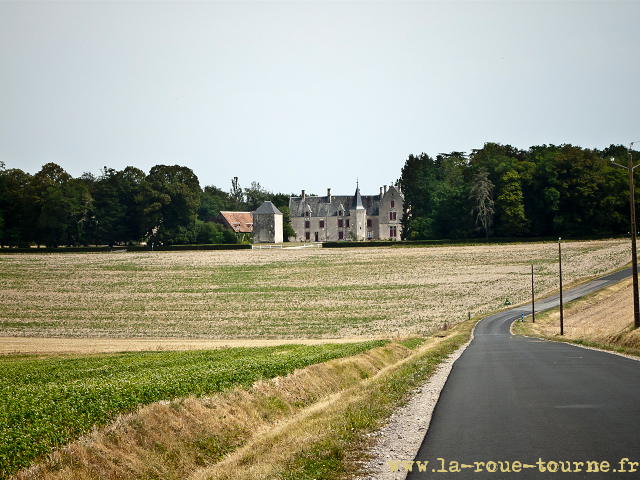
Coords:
385,189
303,196
380,192
328,195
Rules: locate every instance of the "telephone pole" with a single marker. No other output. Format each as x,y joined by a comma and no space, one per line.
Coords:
560,268
533,300
634,256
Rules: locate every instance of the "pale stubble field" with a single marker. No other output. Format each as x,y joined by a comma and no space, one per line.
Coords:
344,293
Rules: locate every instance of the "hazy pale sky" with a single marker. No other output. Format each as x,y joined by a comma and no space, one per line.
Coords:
309,94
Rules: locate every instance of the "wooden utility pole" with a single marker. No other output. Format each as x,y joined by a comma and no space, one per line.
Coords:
634,257
533,300
560,267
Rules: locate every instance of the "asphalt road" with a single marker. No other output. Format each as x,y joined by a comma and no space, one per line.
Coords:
513,399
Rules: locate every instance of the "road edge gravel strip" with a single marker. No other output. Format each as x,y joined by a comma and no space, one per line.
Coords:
402,436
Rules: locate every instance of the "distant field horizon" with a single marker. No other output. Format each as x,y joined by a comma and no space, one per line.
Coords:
348,293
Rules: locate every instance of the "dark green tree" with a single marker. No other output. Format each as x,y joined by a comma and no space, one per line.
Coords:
435,197
417,176
116,215
170,200
213,201
236,192
581,183
511,207
256,196
2,200
20,208
64,206
213,233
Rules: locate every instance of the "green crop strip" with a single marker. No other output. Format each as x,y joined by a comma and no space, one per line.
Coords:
45,403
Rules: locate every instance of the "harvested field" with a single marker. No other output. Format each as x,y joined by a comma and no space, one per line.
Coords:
279,294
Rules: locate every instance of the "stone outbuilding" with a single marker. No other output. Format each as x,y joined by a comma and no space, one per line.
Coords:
267,224
348,217
240,222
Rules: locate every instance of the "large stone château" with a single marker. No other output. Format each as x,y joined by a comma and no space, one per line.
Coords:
347,217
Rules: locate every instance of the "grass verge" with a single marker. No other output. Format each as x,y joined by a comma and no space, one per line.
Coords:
311,423
48,402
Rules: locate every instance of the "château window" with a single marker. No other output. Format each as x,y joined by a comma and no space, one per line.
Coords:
306,214
340,213
307,235
392,216
321,223
369,222
340,223
347,223
306,224
393,203
393,232
340,235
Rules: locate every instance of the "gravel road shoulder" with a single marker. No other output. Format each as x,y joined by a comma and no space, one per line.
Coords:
402,436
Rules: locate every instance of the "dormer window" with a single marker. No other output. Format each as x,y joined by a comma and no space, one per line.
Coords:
306,214
339,213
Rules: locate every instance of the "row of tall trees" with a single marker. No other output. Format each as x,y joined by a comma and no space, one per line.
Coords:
500,190
167,205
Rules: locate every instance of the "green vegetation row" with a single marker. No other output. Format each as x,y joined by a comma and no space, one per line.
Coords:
47,402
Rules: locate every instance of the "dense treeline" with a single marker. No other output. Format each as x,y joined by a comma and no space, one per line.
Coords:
499,190
168,206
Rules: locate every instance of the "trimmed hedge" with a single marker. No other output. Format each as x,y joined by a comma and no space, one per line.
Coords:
131,248
462,241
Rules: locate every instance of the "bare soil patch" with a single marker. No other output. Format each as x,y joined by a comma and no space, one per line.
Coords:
47,346
40,345
324,294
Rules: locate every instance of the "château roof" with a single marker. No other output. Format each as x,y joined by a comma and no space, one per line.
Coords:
329,206
268,208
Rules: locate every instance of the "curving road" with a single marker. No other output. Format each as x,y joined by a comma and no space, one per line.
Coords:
515,403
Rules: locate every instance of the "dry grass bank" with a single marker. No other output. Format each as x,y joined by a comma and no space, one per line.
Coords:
310,419
604,317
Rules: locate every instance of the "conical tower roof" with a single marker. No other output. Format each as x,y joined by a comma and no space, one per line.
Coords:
357,200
